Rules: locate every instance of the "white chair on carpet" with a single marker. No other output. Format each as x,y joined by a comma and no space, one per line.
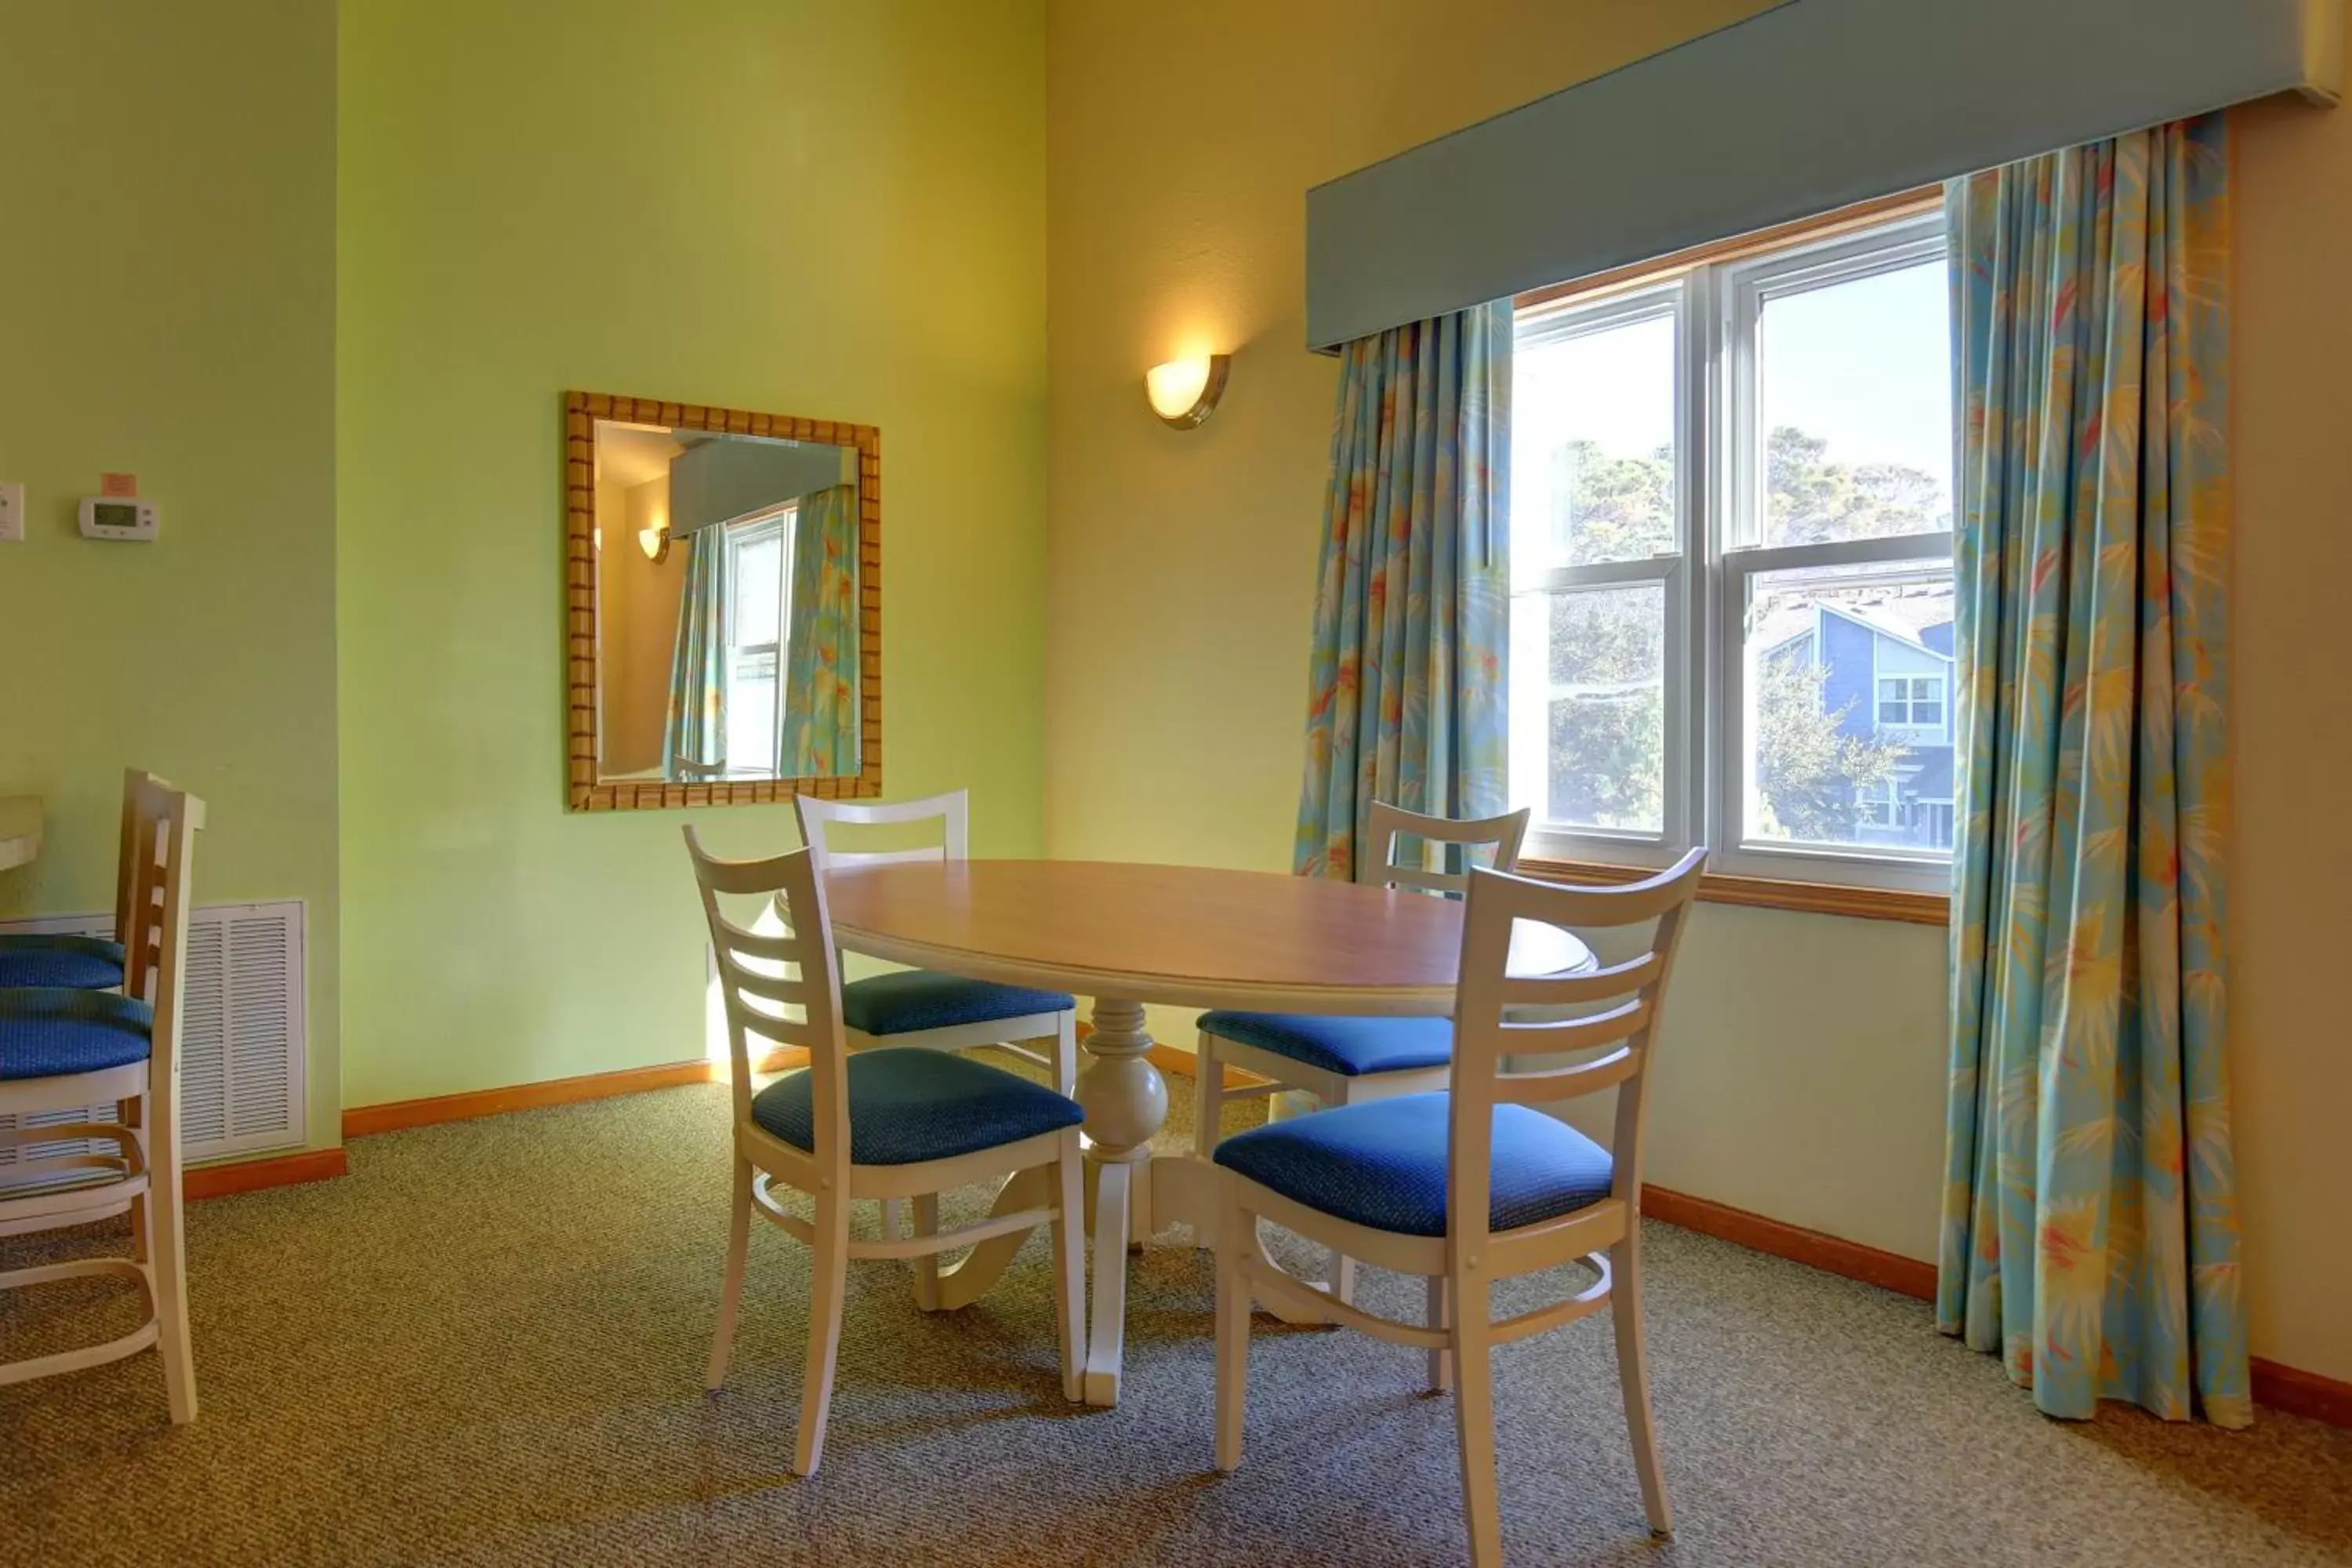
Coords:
1472,1185
887,1123
64,1048
923,1007
1346,1060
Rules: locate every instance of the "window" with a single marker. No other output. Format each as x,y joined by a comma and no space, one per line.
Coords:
1597,480
1876,804
759,587
1915,700
1731,617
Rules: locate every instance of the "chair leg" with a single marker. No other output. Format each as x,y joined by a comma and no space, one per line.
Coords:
1070,1264
1208,1097
1474,1420
1341,1271
1066,1055
167,1278
128,1113
1441,1362
828,1283
1343,1276
927,1266
142,1253
730,1294
1208,1118
1236,1235
891,1228
1633,1376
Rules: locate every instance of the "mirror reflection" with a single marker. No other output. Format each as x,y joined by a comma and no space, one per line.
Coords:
727,606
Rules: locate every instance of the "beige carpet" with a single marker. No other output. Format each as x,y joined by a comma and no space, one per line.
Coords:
487,1345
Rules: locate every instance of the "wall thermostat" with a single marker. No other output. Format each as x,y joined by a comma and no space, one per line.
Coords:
117,517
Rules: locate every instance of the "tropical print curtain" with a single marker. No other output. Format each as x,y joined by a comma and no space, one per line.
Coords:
2090,1226
821,676
1406,695
697,730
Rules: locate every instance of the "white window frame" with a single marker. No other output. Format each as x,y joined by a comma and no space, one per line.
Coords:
740,533
1942,688
1910,701
1669,571
1709,583
1902,700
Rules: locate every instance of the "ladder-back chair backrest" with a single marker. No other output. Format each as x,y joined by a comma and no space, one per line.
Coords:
783,984
140,792
161,826
951,811
1503,834
1496,1019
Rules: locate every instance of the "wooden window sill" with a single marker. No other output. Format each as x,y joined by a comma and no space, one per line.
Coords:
1766,892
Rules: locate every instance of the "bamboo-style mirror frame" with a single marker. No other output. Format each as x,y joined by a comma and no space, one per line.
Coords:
582,790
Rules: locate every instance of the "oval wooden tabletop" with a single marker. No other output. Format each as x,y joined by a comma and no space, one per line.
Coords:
1186,936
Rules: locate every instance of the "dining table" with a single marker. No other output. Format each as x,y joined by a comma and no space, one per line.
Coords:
1127,936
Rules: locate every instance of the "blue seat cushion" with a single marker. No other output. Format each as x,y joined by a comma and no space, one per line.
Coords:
50,1031
38,958
1351,1046
915,999
1382,1163
908,1104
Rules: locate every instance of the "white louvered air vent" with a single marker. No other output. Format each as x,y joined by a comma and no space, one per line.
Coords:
243,1031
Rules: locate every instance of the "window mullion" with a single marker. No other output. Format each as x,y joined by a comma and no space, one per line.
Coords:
1602,574
1894,550
1845,260
1735,458
1703,426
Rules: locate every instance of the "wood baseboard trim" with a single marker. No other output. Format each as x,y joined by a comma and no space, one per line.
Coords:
1834,1255
2300,1392
2275,1386
364,1121
273,1171
1178,1062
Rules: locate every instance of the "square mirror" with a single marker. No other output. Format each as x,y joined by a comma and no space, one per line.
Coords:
723,577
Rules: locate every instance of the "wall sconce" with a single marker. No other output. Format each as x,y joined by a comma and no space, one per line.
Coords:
655,541
1184,392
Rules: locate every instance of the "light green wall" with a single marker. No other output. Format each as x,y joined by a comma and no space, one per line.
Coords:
167,267
828,209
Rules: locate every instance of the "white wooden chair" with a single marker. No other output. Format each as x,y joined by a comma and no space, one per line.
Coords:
67,1046
883,1124
1343,1060
924,1007
1472,1185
